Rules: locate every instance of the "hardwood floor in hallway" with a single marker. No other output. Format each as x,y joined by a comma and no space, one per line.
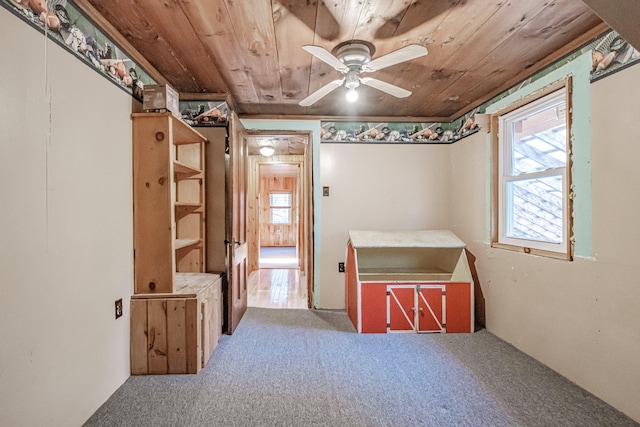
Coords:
277,288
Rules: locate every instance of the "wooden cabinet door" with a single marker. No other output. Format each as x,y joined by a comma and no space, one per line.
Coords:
237,224
459,307
430,301
401,308
415,308
374,302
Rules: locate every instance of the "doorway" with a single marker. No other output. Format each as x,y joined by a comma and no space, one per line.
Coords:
280,209
278,215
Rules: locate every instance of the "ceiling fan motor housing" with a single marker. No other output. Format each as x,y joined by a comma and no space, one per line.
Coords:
354,54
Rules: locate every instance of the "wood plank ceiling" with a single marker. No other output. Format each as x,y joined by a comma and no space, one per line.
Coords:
252,50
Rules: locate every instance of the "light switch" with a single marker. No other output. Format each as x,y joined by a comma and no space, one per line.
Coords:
325,191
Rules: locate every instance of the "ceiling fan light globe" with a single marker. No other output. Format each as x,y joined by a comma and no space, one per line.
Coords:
352,95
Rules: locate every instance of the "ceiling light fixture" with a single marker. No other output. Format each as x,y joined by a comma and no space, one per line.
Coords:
352,95
267,150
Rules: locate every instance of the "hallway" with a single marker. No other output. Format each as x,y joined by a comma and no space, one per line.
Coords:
278,257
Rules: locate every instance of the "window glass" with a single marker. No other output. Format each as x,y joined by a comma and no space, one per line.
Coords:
535,211
280,199
280,205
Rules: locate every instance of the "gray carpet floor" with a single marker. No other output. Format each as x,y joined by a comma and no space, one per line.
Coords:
309,368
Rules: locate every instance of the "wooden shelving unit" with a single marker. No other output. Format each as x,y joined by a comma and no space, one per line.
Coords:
169,214
176,311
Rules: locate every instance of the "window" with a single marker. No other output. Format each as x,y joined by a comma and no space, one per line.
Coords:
280,206
531,206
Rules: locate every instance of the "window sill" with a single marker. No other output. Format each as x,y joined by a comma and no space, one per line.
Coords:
533,251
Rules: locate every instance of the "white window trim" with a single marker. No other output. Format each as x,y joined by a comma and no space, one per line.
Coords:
564,249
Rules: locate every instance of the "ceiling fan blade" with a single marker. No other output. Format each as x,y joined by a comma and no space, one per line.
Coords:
396,91
324,55
406,53
320,93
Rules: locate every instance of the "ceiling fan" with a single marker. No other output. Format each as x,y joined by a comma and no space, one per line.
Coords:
354,57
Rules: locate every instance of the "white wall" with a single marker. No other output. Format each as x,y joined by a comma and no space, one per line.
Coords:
377,187
65,232
580,318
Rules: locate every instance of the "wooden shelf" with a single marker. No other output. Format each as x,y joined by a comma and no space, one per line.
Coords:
185,134
403,274
400,270
184,209
405,277
186,243
182,132
188,205
183,171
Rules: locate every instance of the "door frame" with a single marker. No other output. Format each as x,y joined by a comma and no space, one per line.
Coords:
306,205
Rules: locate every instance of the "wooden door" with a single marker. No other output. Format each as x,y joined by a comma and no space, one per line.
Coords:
237,246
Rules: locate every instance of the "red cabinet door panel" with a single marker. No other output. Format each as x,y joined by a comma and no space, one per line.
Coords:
374,307
401,306
429,309
459,307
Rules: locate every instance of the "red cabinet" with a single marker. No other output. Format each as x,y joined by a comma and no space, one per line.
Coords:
416,281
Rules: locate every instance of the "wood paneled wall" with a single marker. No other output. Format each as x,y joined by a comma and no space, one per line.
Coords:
278,234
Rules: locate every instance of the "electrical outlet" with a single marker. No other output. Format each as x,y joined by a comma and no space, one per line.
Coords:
341,267
118,308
